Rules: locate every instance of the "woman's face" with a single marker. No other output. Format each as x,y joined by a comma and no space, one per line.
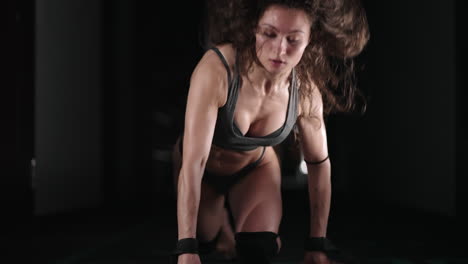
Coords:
281,37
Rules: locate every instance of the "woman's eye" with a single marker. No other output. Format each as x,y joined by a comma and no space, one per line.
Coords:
269,34
293,41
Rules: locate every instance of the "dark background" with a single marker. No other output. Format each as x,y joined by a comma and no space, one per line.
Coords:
93,97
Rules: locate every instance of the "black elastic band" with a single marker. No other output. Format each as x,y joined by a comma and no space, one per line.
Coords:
324,245
186,245
316,162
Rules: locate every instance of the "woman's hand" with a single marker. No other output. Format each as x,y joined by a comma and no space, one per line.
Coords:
317,257
189,259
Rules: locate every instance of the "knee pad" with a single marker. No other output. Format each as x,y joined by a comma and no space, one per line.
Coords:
256,247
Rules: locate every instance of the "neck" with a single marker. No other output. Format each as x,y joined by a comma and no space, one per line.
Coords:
266,82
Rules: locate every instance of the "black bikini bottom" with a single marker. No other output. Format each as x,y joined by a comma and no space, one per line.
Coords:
222,184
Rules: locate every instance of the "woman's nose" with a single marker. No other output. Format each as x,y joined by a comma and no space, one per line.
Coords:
281,45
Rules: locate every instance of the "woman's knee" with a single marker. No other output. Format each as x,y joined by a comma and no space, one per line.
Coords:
210,213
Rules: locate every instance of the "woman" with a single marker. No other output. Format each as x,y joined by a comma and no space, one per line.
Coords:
270,67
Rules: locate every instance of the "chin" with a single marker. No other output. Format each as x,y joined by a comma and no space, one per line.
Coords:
277,70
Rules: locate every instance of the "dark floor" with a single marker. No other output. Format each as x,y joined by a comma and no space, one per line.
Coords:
366,231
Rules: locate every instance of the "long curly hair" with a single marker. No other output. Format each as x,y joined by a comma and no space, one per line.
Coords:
339,32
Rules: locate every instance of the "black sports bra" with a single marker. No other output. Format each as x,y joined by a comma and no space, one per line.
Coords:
228,135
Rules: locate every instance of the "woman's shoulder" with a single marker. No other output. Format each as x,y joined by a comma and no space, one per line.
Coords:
311,104
229,53
213,62
210,73
211,65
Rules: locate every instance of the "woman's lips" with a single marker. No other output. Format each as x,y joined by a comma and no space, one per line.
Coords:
276,62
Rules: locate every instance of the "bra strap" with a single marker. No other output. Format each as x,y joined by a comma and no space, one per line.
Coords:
224,62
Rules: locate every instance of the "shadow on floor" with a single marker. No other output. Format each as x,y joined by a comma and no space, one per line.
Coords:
366,232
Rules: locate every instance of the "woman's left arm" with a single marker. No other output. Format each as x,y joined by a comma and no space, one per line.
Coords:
313,138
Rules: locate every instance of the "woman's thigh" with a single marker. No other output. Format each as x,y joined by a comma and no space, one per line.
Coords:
211,207
256,200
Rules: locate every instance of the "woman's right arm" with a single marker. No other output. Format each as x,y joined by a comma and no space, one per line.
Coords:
208,86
